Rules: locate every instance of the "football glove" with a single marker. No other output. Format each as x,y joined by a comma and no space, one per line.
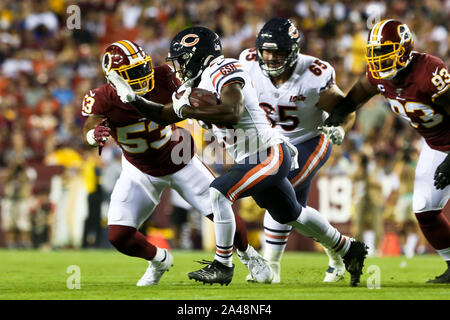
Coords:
99,135
123,89
335,134
442,174
180,103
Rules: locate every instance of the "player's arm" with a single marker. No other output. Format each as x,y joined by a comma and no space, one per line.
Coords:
156,112
96,131
328,101
442,174
444,101
358,95
162,114
228,112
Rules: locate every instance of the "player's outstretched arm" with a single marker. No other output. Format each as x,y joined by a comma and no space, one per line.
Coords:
156,112
228,112
358,95
327,102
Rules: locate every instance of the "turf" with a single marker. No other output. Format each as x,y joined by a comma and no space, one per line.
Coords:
109,275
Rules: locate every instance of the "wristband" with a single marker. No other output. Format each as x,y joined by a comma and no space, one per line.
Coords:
90,138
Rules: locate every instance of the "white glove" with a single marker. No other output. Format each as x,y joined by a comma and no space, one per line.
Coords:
334,134
123,89
181,103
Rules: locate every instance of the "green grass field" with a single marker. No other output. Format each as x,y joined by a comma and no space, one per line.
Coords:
36,275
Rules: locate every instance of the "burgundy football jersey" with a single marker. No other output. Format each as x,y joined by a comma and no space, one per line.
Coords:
146,144
413,99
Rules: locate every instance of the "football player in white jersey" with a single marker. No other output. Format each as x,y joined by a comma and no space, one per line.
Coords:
261,165
296,91
262,156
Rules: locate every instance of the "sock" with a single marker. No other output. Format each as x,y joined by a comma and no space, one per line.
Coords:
435,228
369,240
240,236
445,254
131,242
410,245
160,255
334,260
314,225
224,227
276,237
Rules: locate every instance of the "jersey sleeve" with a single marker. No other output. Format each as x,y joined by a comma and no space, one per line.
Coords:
94,102
228,73
437,77
247,57
322,75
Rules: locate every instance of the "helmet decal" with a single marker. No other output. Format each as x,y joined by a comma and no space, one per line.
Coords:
107,62
293,32
191,43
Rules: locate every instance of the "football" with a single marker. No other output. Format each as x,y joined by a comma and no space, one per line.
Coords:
200,97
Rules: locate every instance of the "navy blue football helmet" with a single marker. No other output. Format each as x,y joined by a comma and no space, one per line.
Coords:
278,34
192,50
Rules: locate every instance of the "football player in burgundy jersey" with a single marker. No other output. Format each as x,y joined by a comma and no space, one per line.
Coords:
417,88
147,164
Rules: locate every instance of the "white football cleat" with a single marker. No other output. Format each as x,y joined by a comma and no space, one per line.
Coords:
259,268
334,274
336,267
155,271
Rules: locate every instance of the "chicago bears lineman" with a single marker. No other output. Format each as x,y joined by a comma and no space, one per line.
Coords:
417,88
295,91
147,143
262,156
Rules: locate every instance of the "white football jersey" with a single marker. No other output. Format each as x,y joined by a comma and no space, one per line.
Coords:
291,107
253,133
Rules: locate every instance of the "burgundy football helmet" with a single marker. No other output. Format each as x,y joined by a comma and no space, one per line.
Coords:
388,48
132,63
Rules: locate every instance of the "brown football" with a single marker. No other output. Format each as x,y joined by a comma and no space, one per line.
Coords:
200,97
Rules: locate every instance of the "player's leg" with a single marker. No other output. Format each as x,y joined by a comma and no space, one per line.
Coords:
236,183
281,202
192,183
132,202
312,156
427,205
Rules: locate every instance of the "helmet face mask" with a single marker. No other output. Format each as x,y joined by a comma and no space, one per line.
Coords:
192,50
282,38
388,49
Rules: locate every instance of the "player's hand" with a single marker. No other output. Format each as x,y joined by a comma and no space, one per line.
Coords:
180,103
101,133
334,134
123,89
442,174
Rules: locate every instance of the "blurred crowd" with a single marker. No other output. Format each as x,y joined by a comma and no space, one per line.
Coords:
48,63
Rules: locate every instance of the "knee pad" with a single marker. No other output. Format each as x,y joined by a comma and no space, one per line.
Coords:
221,206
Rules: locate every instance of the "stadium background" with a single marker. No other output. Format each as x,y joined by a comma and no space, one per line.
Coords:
46,68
